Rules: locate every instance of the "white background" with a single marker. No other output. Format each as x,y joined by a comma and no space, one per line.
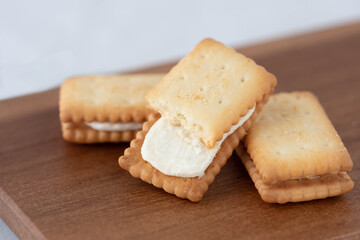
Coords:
44,42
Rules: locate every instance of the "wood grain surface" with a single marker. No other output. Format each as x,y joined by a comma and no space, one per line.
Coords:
51,189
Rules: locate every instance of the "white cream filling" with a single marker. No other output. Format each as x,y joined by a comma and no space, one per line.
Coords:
174,152
309,178
108,126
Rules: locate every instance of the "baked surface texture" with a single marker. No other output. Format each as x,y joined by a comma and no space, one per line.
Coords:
209,90
112,98
189,188
293,138
296,190
80,133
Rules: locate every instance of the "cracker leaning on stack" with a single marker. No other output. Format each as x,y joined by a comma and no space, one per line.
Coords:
293,153
206,103
110,108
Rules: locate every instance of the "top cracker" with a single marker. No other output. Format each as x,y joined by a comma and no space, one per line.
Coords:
293,138
209,90
112,98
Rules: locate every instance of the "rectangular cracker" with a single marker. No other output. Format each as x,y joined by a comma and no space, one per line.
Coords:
189,188
293,138
112,98
209,90
81,133
296,190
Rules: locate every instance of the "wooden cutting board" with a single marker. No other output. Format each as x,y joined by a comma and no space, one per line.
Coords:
51,189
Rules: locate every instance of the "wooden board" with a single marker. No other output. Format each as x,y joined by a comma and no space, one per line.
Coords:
51,189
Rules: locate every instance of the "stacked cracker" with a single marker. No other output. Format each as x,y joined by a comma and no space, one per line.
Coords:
294,153
204,95
96,109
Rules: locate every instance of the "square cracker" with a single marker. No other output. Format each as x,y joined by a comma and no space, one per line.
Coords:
296,190
190,188
209,90
112,98
294,138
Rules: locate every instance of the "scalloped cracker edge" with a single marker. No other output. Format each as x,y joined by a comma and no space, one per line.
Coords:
108,98
296,190
80,133
187,188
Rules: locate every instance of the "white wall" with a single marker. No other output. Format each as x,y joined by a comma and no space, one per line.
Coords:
43,42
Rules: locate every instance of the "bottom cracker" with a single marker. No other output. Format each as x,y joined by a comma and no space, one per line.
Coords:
189,188
80,133
296,190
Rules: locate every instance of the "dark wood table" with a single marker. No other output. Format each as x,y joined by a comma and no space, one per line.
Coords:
51,189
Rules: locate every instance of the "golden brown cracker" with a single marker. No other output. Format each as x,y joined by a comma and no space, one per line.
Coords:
294,138
296,190
189,188
80,133
209,90
112,98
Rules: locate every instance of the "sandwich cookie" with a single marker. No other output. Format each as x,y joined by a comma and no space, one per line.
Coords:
205,105
95,109
293,153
